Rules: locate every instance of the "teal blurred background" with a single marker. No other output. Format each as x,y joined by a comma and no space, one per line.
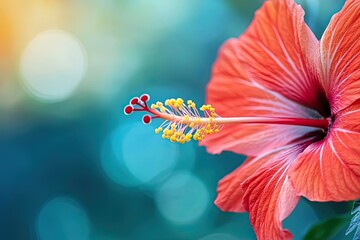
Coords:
72,166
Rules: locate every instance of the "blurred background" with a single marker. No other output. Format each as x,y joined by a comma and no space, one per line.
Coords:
72,165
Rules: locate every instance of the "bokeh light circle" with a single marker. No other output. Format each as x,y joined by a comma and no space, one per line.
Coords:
147,156
134,155
52,65
113,166
183,199
62,218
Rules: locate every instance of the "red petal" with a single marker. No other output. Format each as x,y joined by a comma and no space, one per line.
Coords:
280,52
230,193
340,57
329,170
270,197
233,94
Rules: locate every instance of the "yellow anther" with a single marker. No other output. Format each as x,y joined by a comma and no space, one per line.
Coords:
158,130
186,118
173,139
209,131
191,104
180,101
197,136
188,137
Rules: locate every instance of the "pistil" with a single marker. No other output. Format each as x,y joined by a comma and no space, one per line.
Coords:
183,122
306,122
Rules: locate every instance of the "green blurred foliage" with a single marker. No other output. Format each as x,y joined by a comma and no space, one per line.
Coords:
327,229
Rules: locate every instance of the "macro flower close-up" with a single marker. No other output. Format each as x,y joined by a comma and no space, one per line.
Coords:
180,119
290,103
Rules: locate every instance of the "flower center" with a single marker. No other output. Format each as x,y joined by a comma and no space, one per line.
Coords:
183,122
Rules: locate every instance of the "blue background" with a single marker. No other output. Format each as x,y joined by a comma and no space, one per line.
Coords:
73,166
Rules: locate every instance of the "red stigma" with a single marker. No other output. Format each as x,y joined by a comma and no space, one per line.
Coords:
145,97
135,100
146,119
128,109
139,104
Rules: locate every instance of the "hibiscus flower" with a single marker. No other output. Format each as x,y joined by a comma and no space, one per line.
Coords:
288,101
